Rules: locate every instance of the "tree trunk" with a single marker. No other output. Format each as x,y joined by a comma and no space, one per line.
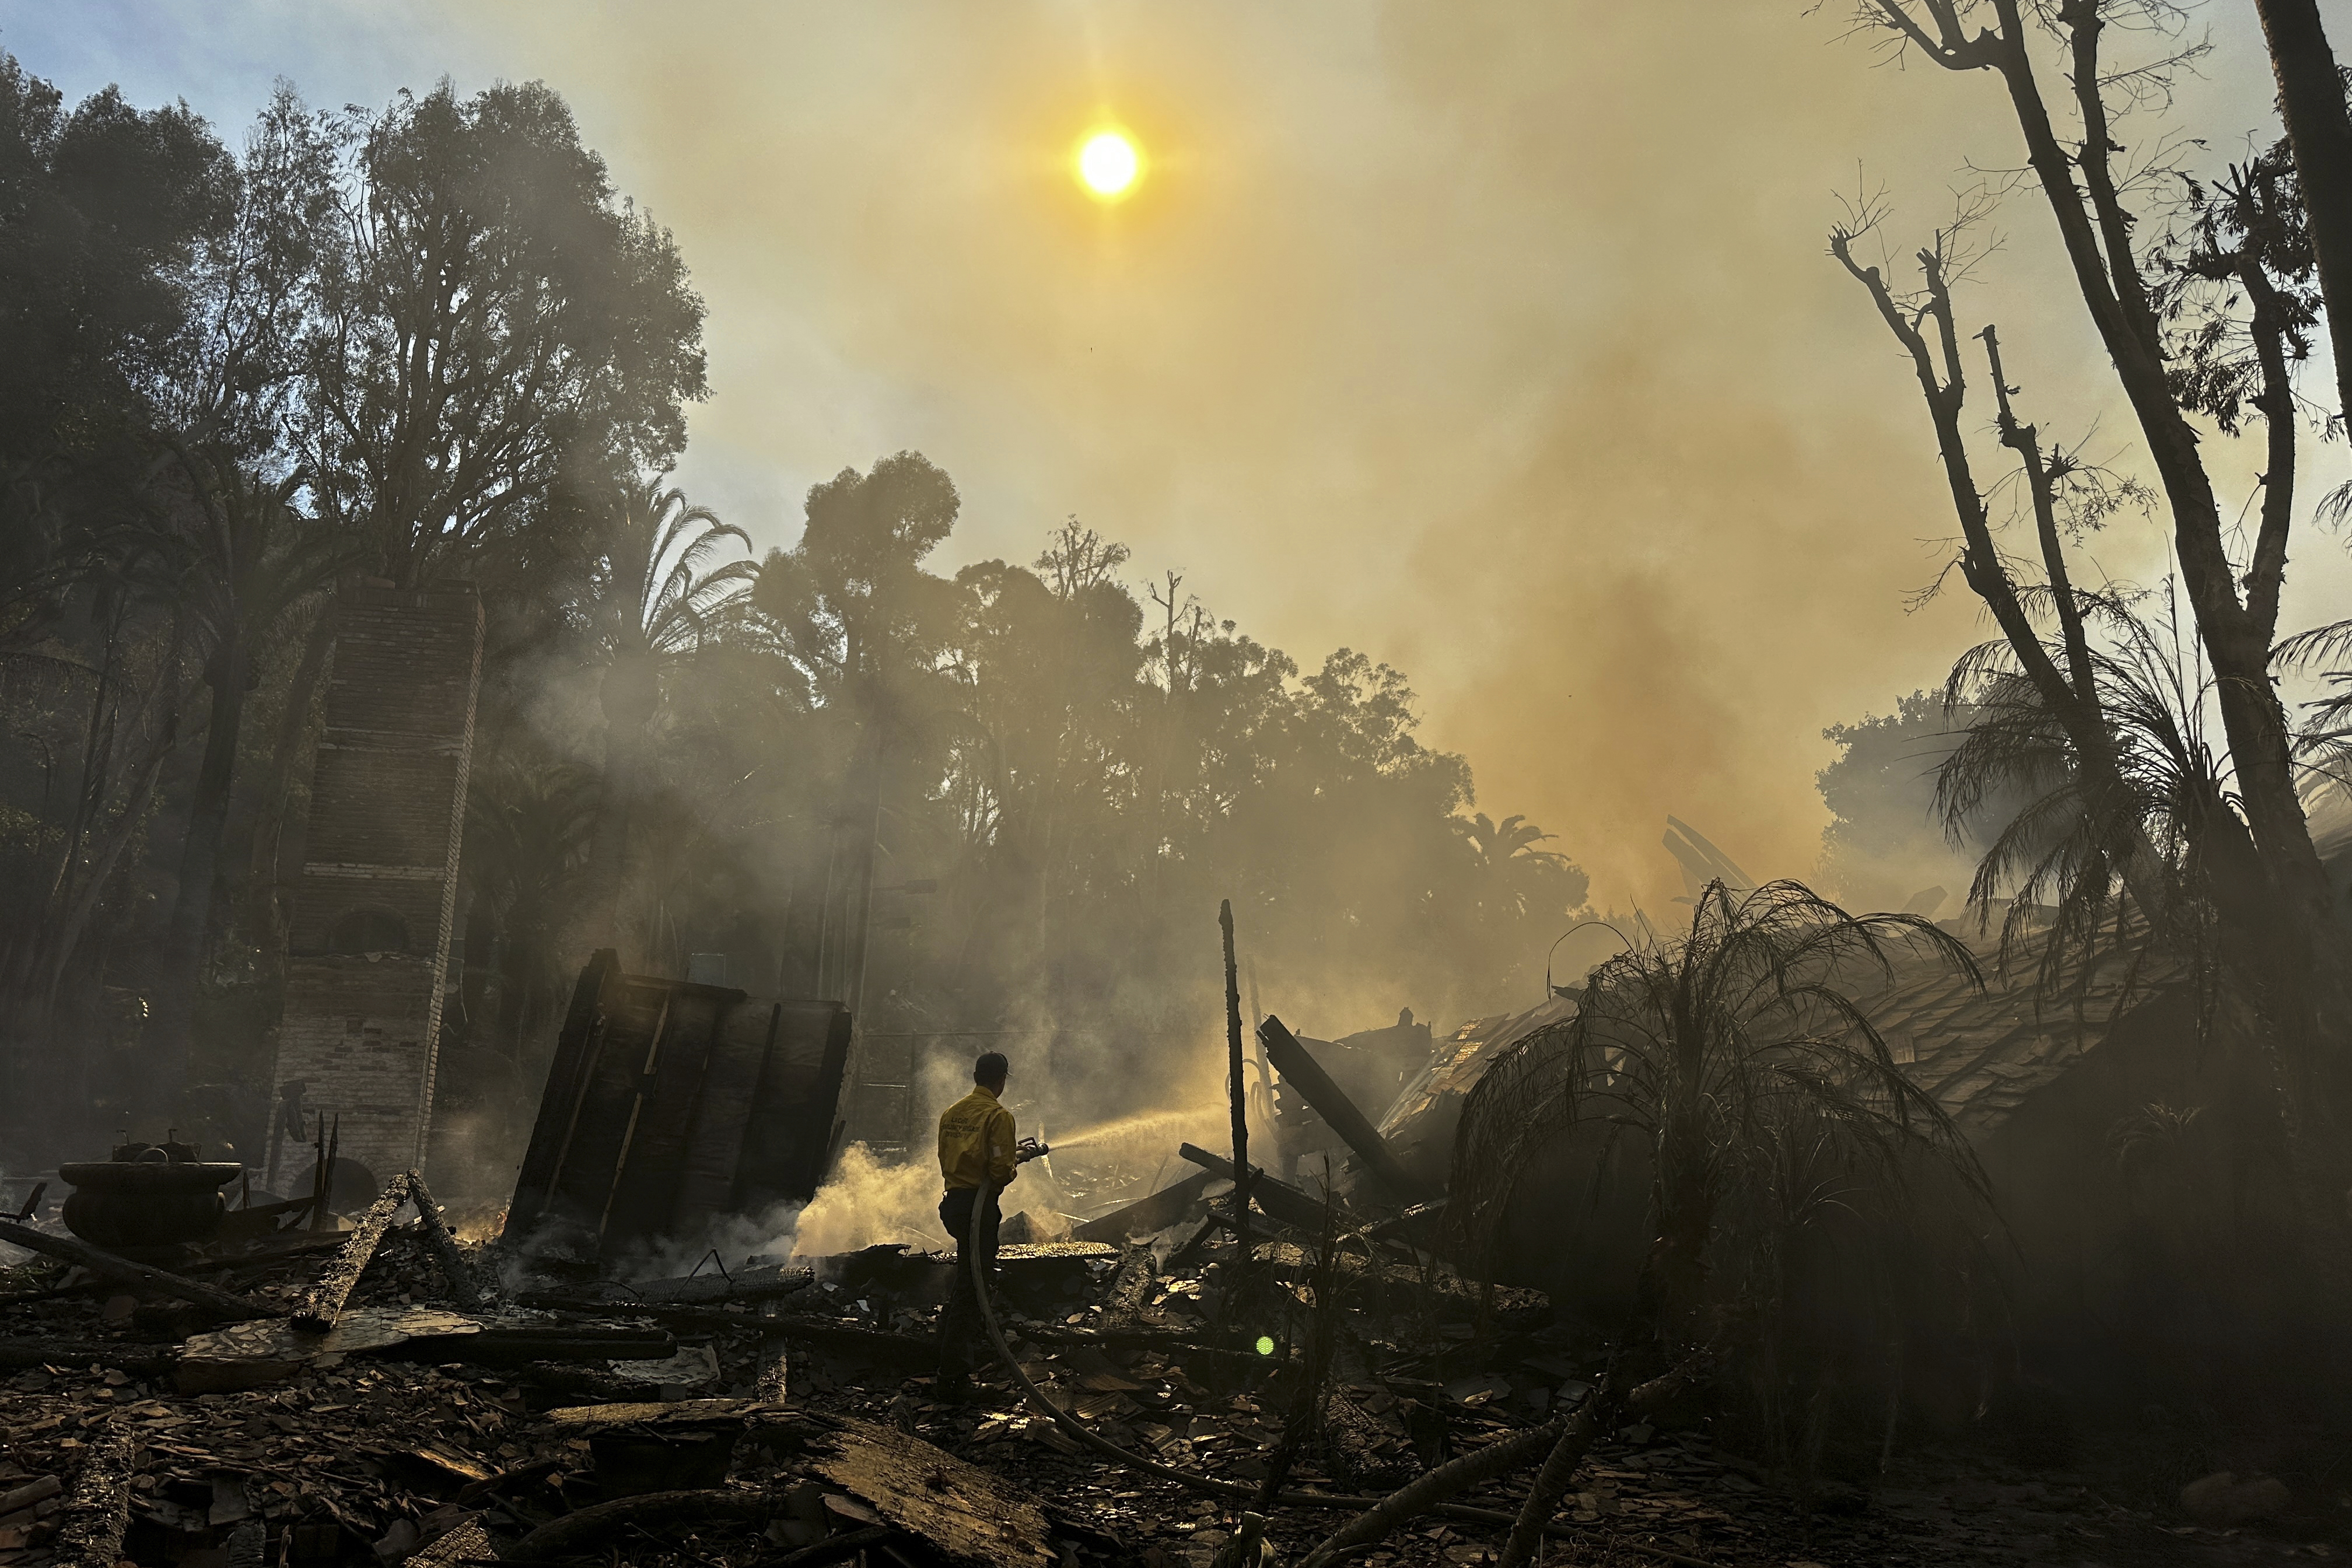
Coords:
630,692
2319,130
169,1034
2308,985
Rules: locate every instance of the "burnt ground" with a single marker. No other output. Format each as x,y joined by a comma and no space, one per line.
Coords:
371,1459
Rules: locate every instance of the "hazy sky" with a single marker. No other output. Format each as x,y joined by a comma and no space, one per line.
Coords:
1496,340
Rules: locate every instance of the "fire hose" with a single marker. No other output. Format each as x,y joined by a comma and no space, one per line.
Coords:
1469,1469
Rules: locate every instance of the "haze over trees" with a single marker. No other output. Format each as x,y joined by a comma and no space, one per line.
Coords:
431,344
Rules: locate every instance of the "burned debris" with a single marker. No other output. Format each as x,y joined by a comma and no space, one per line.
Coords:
1170,1385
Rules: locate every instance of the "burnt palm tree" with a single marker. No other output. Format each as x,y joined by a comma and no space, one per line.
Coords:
1734,1073
1733,1057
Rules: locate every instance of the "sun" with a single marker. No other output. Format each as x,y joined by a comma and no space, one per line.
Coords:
1109,164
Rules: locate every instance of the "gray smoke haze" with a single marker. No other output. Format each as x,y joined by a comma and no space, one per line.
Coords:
1496,340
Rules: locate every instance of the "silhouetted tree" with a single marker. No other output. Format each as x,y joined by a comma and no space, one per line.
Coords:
495,315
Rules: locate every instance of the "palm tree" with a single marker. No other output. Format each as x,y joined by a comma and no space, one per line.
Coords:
1513,878
652,607
1734,1057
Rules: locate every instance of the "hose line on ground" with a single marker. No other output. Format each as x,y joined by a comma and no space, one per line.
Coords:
1470,1469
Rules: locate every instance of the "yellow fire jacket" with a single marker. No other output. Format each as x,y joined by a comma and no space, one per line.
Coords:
976,1141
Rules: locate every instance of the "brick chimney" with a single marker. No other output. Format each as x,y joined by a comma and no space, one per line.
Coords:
375,896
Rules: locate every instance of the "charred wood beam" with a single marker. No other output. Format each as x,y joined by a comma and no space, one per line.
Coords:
228,1303
590,1528
97,1511
1280,1199
140,1359
881,1344
323,1303
835,1549
1298,1067
454,1268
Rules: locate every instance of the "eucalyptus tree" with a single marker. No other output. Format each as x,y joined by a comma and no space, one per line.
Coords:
492,315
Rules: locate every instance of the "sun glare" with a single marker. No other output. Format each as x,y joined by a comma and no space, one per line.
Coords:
1109,165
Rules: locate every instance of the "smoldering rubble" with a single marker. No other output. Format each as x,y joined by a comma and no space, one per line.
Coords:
1183,1380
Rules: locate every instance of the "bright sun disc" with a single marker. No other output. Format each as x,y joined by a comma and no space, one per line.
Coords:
1109,163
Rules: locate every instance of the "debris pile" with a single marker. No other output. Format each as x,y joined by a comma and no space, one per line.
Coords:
369,1396
1172,1384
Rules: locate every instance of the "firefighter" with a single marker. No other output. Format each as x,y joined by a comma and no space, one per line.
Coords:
978,1156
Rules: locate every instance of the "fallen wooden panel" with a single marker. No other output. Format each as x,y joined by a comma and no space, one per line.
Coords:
968,1514
670,1103
249,1355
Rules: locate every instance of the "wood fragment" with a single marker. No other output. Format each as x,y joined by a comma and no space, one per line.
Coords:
28,1494
140,1359
588,1528
774,1380
463,1287
323,1303
968,1514
97,1511
578,1420
228,1303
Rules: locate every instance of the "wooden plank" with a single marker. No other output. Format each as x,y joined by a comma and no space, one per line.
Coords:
228,1303
1298,1067
673,1085
323,1303
967,1514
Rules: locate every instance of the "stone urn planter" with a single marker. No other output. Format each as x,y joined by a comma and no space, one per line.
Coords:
147,1195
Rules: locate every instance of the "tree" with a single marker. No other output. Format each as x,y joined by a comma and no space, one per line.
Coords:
103,214
1733,1073
494,316
2266,865
854,612
1522,880
2319,131
851,604
235,558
